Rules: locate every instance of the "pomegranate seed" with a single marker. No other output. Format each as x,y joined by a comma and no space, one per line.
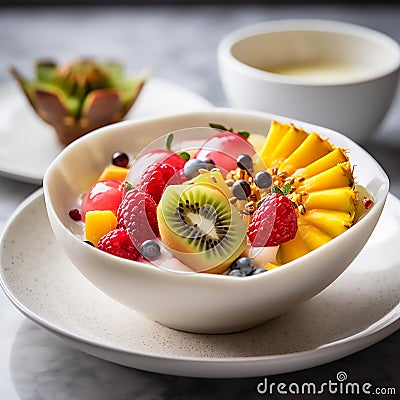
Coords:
368,203
75,214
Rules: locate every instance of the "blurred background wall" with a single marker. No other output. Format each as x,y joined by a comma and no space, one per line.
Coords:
32,3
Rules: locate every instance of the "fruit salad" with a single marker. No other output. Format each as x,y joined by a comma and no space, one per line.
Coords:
236,203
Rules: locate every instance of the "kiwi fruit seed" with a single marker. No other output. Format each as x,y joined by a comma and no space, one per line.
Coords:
200,227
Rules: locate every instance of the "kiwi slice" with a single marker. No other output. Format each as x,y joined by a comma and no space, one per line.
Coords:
200,227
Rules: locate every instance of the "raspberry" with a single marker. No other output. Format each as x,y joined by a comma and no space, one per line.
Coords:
154,179
274,222
118,243
137,213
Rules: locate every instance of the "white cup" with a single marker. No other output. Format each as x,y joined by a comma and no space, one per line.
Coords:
330,73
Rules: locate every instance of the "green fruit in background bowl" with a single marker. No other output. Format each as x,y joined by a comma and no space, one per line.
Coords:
80,96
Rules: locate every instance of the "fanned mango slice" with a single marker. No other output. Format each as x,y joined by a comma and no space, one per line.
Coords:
335,157
311,235
331,222
290,141
339,199
275,134
322,186
310,150
292,249
338,176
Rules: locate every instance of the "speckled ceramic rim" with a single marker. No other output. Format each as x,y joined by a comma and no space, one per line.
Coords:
201,367
310,25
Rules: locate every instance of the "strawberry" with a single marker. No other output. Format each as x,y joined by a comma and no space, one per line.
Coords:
137,213
118,243
274,222
154,179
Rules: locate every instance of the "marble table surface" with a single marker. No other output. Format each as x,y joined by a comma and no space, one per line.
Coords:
180,44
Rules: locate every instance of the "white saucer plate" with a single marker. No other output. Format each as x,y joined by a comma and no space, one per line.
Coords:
29,145
360,308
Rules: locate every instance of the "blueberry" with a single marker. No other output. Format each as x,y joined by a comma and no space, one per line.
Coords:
237,272
244,264
150,249
258,271
263,180
120,159
89,243
241,189
244,161
192,167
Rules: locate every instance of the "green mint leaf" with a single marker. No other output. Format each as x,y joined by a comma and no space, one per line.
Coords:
244,134
128,186
218,126
169,140
276,189
287,188
260,202
184,155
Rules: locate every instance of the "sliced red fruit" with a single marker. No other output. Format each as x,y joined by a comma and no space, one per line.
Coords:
223,148
104,195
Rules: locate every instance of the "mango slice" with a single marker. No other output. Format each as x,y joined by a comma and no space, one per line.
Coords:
114,173
323,186
98,223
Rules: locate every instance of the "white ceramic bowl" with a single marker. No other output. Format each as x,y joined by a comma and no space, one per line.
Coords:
350,90
199,302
